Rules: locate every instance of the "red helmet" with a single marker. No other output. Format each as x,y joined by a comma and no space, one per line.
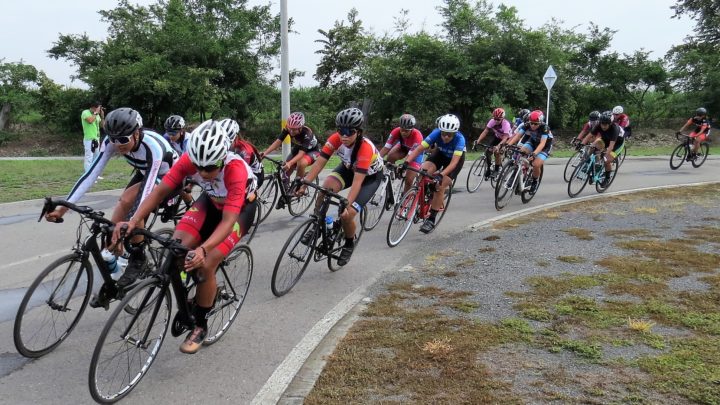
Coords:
296,120
537,116
498,114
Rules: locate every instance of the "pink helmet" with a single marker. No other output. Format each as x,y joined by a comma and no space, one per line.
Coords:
498,114
296,120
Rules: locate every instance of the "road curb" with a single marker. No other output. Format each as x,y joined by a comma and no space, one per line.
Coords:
301,383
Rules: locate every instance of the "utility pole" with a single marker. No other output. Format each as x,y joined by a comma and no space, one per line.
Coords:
284,75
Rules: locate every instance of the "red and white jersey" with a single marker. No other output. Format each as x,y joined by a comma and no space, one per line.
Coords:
366,161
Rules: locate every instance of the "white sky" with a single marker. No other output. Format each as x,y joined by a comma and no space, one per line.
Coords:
28,29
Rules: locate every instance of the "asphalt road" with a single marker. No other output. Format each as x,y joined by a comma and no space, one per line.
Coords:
271,334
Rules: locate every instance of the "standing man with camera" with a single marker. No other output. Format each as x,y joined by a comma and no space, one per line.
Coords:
91,122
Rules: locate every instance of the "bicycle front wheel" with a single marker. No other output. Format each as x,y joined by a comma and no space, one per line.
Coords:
571,164
299,204
526,196
233,282
677,158
293,259
52,306
476,175
402,218
267,196
376,206
599,186
701,155
339,241
579,179
505,188
130,341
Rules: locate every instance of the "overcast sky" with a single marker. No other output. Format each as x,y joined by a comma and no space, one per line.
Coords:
28,29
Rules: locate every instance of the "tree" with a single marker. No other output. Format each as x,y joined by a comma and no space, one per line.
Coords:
16,85
344,48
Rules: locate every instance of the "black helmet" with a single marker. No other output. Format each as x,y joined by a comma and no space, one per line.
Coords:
701,111
174,122
606,117
522,113
594,115
407,121
122,122
350,118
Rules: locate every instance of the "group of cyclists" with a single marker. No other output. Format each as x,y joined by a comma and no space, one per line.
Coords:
228,168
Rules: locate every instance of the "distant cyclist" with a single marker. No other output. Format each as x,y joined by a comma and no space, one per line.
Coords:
584,136
500,127
623,120
700,129
609,139
402,140
519,119
175,133
243,147
536,140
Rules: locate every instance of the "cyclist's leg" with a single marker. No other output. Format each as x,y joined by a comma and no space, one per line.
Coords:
368,188
306,161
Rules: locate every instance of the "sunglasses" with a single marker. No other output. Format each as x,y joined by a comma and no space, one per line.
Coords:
172,133
534,124
447,134
121,140
207,169
346,131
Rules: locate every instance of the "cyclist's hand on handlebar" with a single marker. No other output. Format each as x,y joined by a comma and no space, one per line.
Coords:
56,216
121,230
194,259
438,177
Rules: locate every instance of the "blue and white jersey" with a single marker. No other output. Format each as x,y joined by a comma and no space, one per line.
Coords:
179,147
456,146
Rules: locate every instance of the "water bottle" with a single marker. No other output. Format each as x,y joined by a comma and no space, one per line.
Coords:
329,223
111,262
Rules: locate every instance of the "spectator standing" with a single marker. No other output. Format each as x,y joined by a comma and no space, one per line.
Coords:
91,121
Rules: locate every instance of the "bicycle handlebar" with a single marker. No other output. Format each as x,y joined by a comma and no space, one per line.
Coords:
50,205
276,162
170,243
343,200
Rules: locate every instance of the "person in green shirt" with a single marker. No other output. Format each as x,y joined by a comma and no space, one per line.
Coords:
91,120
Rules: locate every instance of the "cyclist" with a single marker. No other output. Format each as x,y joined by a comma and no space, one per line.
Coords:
501,129
536,140
445,163
619,117
584,136
305,148
701,131
218,219
402,140
175,133
519,119
241,146
609,139
151,156
360,168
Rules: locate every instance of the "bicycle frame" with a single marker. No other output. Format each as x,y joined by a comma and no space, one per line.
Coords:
425,191
324,248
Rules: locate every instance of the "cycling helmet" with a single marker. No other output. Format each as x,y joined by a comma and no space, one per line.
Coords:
231,128
208,144
536,116
122,122
617,110
449,123
594,116
526,117
606,117
295,120
498,114
701,111
407,121
174,123
349,118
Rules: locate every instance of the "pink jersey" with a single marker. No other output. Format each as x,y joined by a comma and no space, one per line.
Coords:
501,128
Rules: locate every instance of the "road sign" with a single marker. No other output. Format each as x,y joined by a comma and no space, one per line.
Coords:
550,77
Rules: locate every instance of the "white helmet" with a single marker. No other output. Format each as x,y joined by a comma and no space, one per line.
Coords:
231,128
208,144
617,109
449,123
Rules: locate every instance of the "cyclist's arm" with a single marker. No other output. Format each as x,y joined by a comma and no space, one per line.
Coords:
296,158
107,150
276,143
541,145
413,154
332,144
483,134
154,161
453,163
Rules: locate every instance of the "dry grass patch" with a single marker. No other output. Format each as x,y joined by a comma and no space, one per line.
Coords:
466,262
674,253
707,233
580,233
630,233
491,237
542,263
486,249
514,223
645,210
640,325
571,259
450,274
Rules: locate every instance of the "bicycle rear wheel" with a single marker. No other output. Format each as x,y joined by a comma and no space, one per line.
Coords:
293,259
526,196
701,155
402,218
122,355
52,306
476,175
579,178
677,158
253,226
505,188
375,208
298,205
267,196
571,164
233,282
621,158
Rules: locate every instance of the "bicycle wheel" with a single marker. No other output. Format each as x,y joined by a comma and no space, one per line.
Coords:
298,205
375,208
526,196
52,306
267,196
233,282
579,178
402,218
293,259
253,226
339,241
621,158
599,187
476,175
505,188
677,158
123,355
571,164
701,155
446,203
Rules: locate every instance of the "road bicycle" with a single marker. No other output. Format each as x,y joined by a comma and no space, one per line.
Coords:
516,178
59,295
591,170
577,157
277,186
683,152
414,206
481,169
326,240
131,338
387,194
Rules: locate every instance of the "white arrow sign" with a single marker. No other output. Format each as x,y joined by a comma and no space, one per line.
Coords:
550,77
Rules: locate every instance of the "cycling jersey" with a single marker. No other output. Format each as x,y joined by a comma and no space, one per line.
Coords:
152,157
702,125
501,128
613,133
456,146
179,146
249,153
535,135
622,120
305,140
408,143
367,160
227,190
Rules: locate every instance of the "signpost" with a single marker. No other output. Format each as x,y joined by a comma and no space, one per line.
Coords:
549,79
